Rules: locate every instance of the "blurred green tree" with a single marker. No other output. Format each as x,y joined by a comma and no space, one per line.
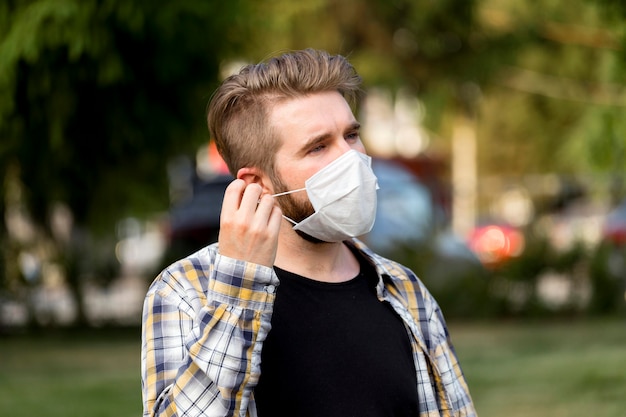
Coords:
542,113
95,97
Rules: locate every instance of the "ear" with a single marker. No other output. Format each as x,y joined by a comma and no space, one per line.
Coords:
254,175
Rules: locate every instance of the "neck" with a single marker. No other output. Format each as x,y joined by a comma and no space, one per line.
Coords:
327,262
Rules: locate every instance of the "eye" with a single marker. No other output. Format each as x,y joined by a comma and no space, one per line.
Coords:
317,148
352,136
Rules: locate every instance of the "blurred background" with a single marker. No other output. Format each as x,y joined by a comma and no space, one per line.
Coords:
498,131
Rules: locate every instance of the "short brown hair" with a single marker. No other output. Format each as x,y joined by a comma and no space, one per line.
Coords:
239,110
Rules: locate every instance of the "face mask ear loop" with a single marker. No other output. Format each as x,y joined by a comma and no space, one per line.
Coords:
288,192
285,193
289,220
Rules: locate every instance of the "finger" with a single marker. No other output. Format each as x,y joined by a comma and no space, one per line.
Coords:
265,205
276,217
232,196
250,198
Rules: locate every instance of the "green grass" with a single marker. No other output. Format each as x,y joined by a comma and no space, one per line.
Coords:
71,374
513,369
545,369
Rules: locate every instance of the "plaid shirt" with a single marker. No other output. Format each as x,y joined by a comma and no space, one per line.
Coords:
205,319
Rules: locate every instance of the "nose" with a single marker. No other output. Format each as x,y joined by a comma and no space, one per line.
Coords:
341,148
356,146
344,146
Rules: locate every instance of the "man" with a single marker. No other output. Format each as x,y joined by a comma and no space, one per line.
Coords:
289,314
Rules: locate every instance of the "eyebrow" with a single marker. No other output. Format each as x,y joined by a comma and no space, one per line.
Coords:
355,126
324,136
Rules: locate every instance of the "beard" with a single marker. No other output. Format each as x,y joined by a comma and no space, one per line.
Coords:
294,209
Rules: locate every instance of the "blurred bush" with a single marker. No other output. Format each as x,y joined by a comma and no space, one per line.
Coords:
460,286
541,282
607,273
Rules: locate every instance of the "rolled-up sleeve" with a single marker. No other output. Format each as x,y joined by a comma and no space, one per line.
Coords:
204,321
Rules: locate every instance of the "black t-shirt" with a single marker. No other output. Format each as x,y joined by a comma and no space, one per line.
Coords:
335,350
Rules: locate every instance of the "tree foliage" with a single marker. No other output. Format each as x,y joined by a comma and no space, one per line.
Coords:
543,112
95,97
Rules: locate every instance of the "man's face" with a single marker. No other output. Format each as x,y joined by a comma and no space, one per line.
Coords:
314,131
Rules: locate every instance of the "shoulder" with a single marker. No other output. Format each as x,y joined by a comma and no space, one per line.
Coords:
399,280
187,278
410,298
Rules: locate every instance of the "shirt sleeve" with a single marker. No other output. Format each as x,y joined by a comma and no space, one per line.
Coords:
453,392
204,321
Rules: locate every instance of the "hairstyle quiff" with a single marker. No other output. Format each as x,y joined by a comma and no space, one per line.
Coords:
238,114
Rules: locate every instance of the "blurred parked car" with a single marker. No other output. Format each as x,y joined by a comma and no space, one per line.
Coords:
194,221
408,215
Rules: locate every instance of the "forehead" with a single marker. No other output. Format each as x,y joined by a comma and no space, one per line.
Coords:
312,114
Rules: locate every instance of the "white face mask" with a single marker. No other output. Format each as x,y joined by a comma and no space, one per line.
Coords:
343,194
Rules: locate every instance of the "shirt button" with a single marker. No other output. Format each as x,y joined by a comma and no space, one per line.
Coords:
270,289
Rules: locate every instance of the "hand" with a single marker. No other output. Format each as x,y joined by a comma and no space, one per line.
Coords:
249,224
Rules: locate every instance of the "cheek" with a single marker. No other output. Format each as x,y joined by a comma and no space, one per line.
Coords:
358,146
278,186
288,177
294,179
